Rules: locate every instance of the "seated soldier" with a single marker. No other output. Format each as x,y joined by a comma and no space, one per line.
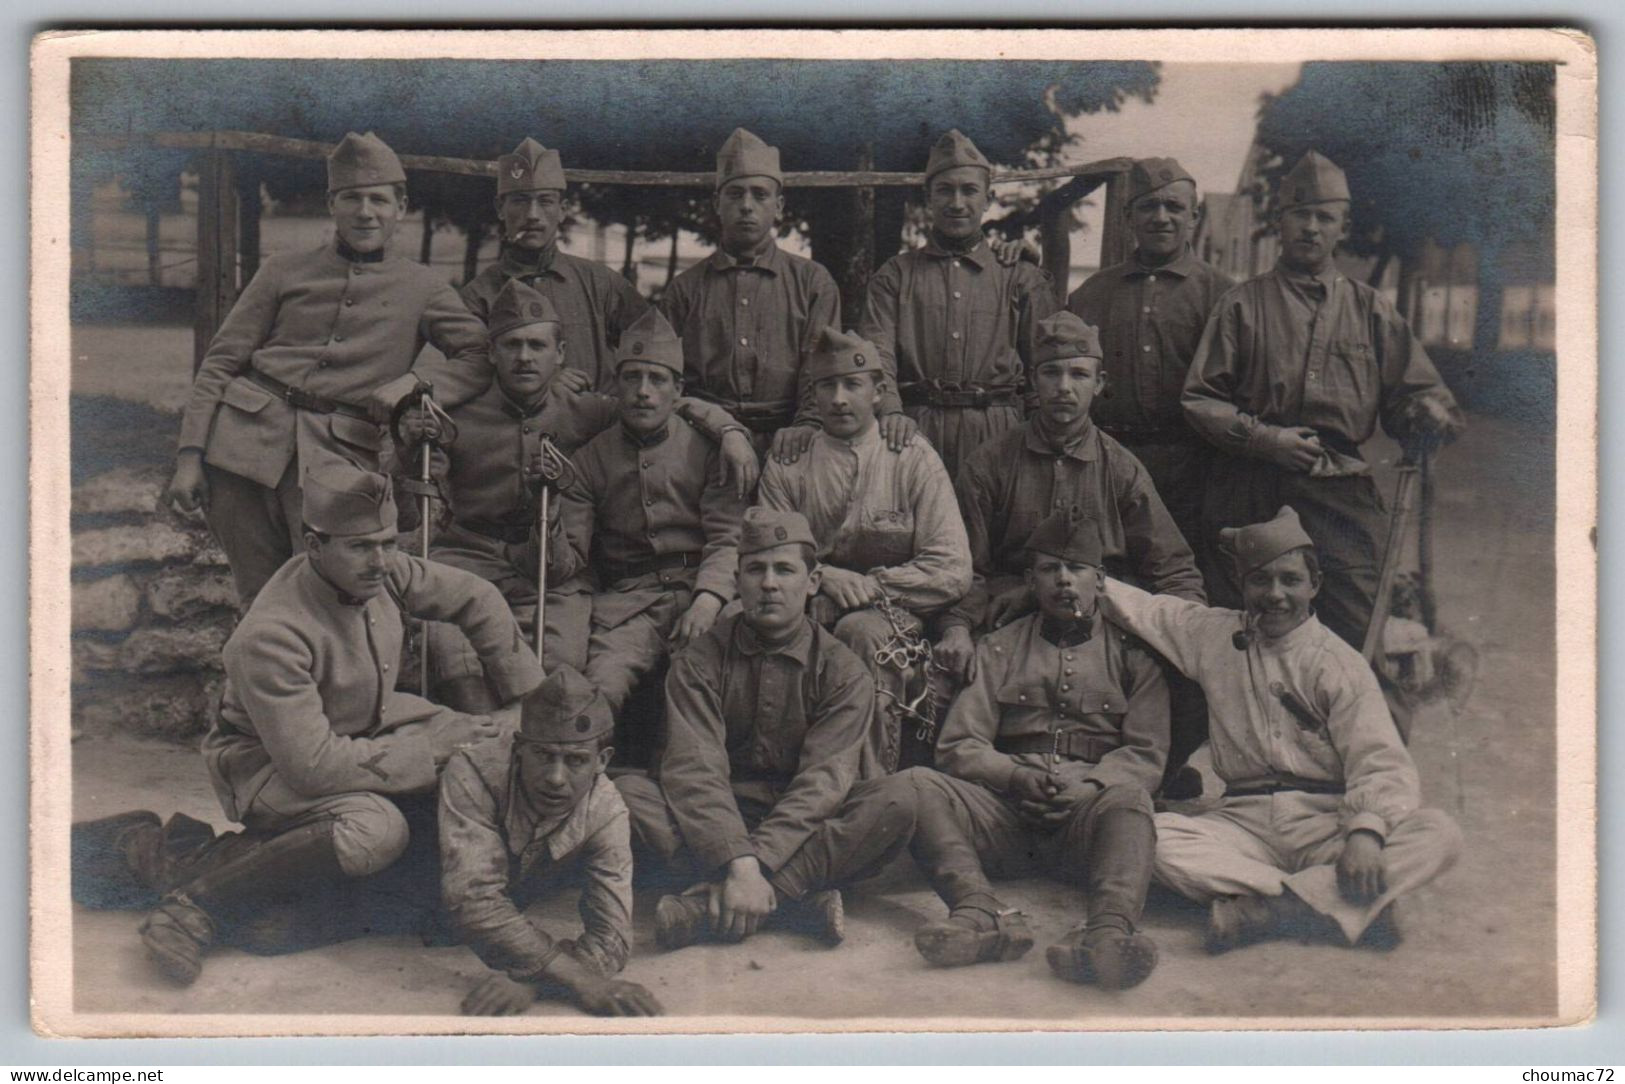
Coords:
313,747
492,472
1047,761
766,715
647,509
525,815
891,545
1319,824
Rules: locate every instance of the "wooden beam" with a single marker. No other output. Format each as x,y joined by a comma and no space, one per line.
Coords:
1116,240
282,146
216,250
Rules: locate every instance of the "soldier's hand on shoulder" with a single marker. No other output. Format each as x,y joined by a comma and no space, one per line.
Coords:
1011,251
696,620
956,653
571,381
1010,604
849,590
898,430
498,995
739,458
792,442
453,730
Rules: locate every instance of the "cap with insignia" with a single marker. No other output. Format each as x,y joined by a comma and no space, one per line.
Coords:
518,305
953,150
1315,179
1067,535
651,339
343,499
763,529
530,167
564,708
838,353
362,160
1259,544
745,155
1064,335
1149,174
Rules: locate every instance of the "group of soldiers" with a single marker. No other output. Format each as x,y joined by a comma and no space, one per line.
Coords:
940,583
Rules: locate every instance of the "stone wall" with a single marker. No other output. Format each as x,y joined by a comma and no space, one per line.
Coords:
153,603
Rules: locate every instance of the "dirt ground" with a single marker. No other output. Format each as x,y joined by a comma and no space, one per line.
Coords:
1480,941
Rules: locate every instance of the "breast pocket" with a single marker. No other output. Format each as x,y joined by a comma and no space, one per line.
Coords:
1035,697
1351,372
884,538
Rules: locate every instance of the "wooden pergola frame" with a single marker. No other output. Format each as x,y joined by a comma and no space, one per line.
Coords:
228,227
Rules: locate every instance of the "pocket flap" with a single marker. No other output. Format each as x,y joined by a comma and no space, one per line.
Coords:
246,396
355,432
1023,696
1102,699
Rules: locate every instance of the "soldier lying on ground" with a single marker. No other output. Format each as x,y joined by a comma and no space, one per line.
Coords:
1319,827
752,801
313,750
1046,765
526,814
492,474
890,542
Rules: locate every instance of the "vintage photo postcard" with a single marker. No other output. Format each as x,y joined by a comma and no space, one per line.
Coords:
773,531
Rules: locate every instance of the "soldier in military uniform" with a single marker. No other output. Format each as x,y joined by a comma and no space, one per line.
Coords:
319,348
1294,371
312,743
524,815
1319,826
595,304
1046,763
648,510
953,323
1150,311
492,478
752,797
889,536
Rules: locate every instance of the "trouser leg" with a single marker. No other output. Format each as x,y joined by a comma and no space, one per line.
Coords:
619,656
1417,850
871,828
1346,519
1111,839
1178,470
957,825
259,527
1226,852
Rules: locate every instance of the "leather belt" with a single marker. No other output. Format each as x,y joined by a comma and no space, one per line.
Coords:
1278,786
501,532
758,417
614,573
300,399
956,396
1071,744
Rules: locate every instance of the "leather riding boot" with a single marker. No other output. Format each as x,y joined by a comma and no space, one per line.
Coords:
978,930
1106,953
1117,863
1236,921
819,915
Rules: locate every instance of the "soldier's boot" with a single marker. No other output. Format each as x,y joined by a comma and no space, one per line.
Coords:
819,915
182,927
1104,954
681,921
1237,921
469,694
979,929
106,869
1387,930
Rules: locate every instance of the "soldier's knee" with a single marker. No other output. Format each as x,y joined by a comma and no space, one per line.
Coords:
862,631
1124,796
1441,831
892,800
369,834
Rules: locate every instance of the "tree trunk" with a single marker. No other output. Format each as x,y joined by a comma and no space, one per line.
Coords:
473,238
671,260
248,223
155,271
629,269
860,258
216,250
426,240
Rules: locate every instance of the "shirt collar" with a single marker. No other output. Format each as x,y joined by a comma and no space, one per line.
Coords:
515,410
516,267
1305,634
1323,281
864,439
350,255
1086,449
771,260
329,592
1067,633
797,647
979,256
1180,266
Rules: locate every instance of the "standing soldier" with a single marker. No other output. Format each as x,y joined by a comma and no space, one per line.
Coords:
595,304
649,511
953,323
312,747
318,349
749,313
1294,371
888,532
493,475
519,817
1150,311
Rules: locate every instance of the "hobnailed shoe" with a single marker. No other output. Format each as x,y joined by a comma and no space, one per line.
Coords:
1108,957
1236,921
177,933
680,921
820,915
1387,930
947,943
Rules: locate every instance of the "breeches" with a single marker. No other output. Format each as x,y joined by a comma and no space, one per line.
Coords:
369,830
258,527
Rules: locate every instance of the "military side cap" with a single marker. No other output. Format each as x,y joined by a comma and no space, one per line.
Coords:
361,160
1259,544
763,528
1150,174
564,708
745,155
1067,535
518,305
529,168
838,353
1065,335
344,499
1315,179
953,150
651,339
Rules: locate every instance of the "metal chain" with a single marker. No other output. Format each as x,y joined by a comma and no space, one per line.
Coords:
906,648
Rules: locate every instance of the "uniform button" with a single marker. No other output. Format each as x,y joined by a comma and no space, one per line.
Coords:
1311,374
648,500
645,464
1146,309
386,666
958,294
1068,670
349,301
524,428
956,335
744,301
1066,688
744,342
1021,696
1105,706
1152,277
1146,349
338,338
321,364
956,263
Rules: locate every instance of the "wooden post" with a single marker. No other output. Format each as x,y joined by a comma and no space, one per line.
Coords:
1116,242
248,223
216,249
154,262
1055,233
860,261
